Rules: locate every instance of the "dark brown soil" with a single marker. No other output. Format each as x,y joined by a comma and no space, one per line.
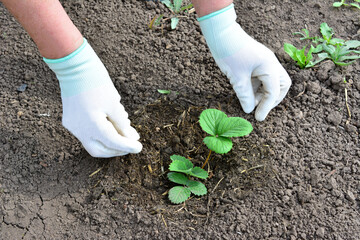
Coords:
295,177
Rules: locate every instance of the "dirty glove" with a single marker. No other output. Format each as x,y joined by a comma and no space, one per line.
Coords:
91,105
254,72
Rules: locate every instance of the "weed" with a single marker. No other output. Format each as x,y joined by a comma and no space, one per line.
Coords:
176,7
341,52
181,170
343,3
303,60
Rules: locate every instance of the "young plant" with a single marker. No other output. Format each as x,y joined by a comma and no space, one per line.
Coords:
176,7
343,3
298,55
339,4
181,170
221,128
342,55
341,52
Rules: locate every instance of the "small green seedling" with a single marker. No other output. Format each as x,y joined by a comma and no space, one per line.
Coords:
176,7
181,170
343,3
341,52
164,91
342,55
298,55
339,4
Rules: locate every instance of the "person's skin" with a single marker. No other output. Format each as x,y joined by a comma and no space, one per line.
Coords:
48,25
205,7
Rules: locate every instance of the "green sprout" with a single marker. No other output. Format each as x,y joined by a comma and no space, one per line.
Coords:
343,3
176,7
303,60
221,128
181,170
342,55
341,52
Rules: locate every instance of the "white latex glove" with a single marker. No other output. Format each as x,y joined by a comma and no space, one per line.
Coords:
91,105
254,72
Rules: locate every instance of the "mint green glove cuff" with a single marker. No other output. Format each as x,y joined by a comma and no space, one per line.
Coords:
80,71
223,34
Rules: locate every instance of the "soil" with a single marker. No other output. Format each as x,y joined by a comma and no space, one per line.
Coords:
295,177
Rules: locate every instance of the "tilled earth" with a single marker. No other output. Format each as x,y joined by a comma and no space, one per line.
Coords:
295,177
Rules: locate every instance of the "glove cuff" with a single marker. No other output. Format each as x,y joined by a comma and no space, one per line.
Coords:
223,34
80,71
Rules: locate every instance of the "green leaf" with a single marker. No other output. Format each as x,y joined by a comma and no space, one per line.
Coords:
219,145
180,164
177,5
337,4
178,178
179,194
326,31
291,50
168,4
318,49
209,120
355,5
344,58
352,44
343,63
199,173
164,91
337,41
197,188
186,7
174,22
234,127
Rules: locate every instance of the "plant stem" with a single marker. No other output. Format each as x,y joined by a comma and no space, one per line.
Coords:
206,161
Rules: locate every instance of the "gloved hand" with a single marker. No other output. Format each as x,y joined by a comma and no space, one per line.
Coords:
254,72
91,105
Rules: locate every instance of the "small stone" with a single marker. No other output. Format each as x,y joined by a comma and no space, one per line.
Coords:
335,118
314,87
350,196
320,232
336,78
22,87
323,72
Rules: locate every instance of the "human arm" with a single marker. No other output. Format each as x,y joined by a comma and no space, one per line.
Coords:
91,104
256,75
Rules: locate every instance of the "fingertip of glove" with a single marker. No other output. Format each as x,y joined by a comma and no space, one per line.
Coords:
131,133
259,116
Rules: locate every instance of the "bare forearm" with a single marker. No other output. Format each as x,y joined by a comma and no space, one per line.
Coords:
205,7
48,25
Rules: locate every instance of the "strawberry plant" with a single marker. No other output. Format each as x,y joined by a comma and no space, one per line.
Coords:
221,129
181,170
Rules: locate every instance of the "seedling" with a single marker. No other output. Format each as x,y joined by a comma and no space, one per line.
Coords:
341,52
181,170
164,91
221,128
343,3
303,60
342,55
176,7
